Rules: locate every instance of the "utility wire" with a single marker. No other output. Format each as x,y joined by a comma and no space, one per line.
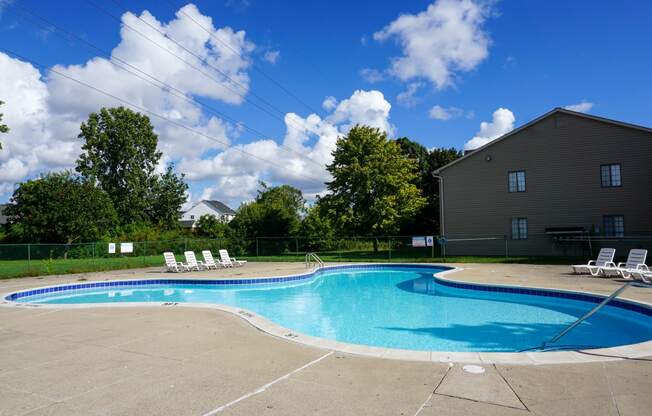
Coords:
201,59
139,108
164,48
28,15
254,65
218,82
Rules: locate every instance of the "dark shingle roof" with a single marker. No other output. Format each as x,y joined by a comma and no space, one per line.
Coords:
221,206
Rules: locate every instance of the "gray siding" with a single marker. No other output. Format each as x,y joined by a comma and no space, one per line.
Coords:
561,155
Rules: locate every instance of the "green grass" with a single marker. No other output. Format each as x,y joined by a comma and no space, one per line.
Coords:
22,268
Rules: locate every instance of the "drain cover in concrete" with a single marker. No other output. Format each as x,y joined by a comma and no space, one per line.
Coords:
487,387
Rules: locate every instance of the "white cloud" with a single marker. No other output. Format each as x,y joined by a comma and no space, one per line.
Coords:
502,123
236,175
371,75
364,107
438,112
581,107
44,111
407,98
329,103
272,56
445,39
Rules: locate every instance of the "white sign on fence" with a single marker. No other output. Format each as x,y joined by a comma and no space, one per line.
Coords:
430,240
111,248
126,247
418,241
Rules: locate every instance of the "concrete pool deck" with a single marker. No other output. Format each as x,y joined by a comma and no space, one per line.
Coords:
177,361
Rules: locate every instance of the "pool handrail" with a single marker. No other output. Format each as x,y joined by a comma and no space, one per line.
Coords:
312,258
586,315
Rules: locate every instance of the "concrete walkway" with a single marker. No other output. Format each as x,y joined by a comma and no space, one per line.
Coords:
183,361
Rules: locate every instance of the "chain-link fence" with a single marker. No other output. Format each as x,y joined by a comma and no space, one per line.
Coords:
38,259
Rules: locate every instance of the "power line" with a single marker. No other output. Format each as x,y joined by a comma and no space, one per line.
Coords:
178,93
278,84
201,59
139,108
210,77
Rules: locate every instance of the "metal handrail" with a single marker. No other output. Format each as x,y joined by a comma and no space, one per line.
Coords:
586,315
313,258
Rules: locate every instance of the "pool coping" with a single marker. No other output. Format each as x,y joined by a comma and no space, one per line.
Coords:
631,351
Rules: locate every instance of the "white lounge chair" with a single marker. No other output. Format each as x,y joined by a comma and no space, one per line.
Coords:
209,261
645,276
635,265
230,261
172,264
595,267
191,261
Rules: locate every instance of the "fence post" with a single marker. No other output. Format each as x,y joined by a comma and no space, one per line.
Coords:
145,253
296,245
389,245
443,249
29,257
506,246
256,246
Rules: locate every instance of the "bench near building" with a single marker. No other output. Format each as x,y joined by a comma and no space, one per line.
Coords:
562,184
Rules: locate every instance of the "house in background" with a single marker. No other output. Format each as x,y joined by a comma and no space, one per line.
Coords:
563,177
215,208
3,217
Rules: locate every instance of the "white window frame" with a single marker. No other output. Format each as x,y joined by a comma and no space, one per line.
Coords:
517,178
519,228
617,226
611,175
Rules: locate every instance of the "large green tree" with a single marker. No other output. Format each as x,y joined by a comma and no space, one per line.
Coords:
60,208
213,227
276,211
167,195
3,127
119,152
373,185
426,220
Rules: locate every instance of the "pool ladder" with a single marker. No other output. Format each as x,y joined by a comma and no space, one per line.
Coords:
313,260
586,316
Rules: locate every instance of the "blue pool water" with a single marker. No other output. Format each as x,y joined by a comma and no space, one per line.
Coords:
396,307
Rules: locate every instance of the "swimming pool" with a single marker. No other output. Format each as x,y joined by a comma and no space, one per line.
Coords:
391,306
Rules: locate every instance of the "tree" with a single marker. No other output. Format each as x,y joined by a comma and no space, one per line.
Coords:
3,127
427,219
60,208
119,153
417,152
276,211
438,158
168,194
317,228
213,227
315,225
373,184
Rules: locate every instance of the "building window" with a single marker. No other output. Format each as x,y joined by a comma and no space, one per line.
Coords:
610,175
614,225
517,181
519,228
192,217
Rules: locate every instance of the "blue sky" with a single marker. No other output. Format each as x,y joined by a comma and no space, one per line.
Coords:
524,57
